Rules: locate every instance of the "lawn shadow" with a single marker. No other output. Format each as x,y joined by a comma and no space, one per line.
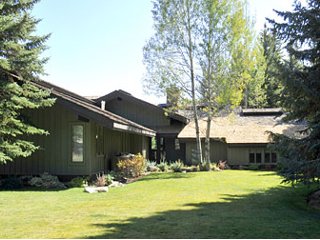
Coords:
34,189
164,176
276,213
269,173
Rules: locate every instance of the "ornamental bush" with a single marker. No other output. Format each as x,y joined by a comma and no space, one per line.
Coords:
177,166
131,167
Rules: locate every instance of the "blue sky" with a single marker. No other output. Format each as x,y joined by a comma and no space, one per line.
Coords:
96,45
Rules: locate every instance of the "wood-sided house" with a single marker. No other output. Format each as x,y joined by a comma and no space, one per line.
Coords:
241,139
165,145
83,137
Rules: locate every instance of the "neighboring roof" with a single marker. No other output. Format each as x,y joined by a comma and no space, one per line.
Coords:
262,112
243,129
125,95
87,107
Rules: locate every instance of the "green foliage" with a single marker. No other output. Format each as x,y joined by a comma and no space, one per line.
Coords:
109,179
132,167
300,74
46,181
163,166
177,166
78,182
20,65
11,183
253,167
151,166
272,54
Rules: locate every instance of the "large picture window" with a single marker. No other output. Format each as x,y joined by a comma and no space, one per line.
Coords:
77,143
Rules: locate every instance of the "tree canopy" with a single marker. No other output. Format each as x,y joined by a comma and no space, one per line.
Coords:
203,48
300,74
20,65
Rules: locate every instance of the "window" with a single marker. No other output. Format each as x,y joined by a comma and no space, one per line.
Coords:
77,143
176,144
258,157
267,157
251,158
274,157
153,143
270,157
255,157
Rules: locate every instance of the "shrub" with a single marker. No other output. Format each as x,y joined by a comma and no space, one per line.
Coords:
163,166
203,166
78,182
11,183
191,169
100,180
253,167
109,179
151,166
214,167
131,167
46,181
177,166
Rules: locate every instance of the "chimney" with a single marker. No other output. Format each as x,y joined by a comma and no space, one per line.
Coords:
103,105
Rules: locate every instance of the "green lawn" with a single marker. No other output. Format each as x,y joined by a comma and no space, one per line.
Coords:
228,204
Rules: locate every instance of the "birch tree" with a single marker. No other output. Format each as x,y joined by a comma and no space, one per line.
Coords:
226,56
203,47
170,54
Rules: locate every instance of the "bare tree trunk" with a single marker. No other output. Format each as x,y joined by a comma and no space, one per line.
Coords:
198,139
207,143
193,91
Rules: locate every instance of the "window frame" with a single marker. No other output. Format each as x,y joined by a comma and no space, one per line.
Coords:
72,125
176,144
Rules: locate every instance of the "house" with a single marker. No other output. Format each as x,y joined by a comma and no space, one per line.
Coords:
86,134
165,145
83,139
241,139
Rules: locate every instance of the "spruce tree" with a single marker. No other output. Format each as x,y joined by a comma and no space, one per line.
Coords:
272,55
20,66
300,32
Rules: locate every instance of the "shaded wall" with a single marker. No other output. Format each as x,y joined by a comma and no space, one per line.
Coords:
54,155
218,151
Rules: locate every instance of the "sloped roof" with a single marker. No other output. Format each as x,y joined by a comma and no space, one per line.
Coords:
125,95
87,107
243,129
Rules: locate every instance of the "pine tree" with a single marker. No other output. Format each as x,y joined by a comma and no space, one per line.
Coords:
300,71
20,65
272,56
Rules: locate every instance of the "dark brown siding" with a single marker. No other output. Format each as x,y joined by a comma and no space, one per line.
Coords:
54,155
218,151
142,114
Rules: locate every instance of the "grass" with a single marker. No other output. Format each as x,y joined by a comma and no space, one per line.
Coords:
228,204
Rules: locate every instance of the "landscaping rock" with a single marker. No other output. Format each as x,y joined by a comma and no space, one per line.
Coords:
92,189
116,184
314,199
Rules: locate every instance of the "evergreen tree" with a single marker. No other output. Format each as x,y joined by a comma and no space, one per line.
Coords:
20,65
255,93
272,55
300,32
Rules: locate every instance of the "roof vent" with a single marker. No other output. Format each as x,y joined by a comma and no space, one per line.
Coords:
103,105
